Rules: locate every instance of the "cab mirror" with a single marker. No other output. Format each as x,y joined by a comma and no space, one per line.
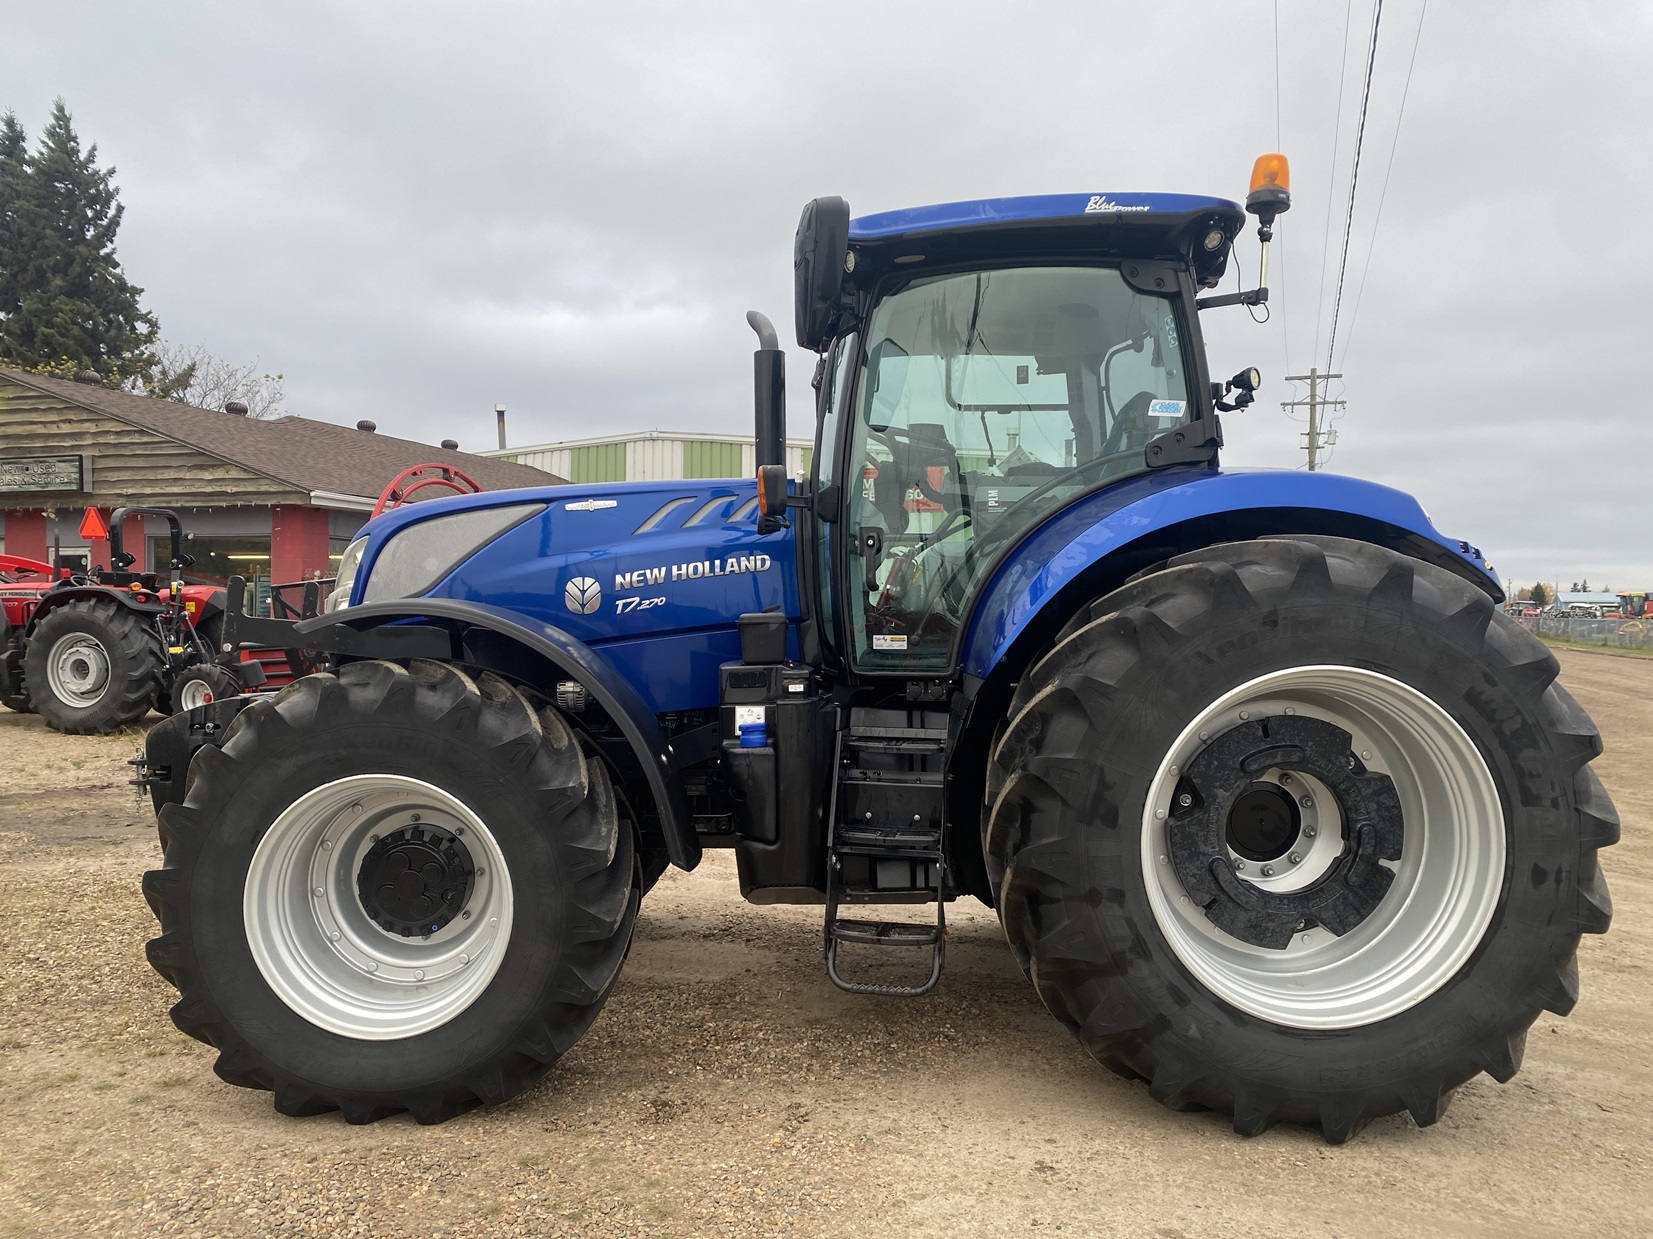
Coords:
818,269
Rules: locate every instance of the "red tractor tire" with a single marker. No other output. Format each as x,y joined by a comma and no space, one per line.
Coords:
93,667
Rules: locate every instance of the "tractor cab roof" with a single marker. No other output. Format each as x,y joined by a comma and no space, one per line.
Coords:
1168,227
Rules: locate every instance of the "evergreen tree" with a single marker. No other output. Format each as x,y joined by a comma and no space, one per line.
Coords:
14,172
1540,595
69,302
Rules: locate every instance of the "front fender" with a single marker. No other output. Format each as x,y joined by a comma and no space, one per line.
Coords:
1096,543
569,656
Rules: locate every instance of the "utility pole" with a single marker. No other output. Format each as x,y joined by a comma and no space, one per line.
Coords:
1315,438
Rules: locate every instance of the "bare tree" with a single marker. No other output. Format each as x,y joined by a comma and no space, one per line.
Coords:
190,374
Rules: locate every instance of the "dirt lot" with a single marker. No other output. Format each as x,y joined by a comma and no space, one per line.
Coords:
729,1090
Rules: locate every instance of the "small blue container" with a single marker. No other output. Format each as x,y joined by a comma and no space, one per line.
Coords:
754,735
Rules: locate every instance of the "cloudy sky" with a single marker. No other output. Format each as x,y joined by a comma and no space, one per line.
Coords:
416,210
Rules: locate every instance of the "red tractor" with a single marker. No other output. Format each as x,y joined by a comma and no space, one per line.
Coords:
91,654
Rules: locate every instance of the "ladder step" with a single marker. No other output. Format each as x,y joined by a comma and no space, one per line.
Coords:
859,733
907,745
885,933
878,837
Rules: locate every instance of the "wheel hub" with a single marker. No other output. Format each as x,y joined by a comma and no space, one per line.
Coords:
1264,823
414,880
78,670
1234,826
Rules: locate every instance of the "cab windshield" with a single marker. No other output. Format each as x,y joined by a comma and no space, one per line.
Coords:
987,399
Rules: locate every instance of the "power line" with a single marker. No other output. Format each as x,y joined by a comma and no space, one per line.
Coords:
1354,178
1277,140
1331,179
1354,314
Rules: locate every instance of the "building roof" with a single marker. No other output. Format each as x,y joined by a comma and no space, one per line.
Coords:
308,455
686,436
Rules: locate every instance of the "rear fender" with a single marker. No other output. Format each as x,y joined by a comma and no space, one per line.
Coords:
1094,545
540,655
52,599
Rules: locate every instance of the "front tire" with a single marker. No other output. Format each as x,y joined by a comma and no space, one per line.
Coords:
198,685
1300,830
396,888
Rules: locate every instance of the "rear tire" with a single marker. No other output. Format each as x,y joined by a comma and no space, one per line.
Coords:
339,1000
93,667
1172,956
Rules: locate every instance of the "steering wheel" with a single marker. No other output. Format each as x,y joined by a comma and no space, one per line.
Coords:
915,455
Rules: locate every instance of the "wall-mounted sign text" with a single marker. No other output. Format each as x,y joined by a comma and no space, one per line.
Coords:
31,473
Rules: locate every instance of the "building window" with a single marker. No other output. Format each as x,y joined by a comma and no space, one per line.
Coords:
216,558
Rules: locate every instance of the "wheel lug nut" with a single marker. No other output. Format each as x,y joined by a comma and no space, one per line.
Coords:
1239,865
1296,858
1268,871
1185,800
415,817
1311,831
1306,801
1244,715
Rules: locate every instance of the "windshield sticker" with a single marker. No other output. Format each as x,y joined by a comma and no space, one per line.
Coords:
884,641
1166,408
1100,202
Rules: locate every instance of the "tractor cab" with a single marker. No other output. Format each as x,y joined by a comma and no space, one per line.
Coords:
983,364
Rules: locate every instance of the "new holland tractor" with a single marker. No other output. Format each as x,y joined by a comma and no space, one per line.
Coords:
1280,815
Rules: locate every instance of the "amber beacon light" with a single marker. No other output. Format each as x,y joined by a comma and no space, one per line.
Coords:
1270,196
1270,188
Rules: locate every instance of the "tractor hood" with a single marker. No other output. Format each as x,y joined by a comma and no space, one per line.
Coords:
654,573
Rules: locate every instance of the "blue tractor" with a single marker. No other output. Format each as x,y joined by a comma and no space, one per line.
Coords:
1281,816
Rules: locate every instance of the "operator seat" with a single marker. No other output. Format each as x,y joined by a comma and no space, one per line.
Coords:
1132,419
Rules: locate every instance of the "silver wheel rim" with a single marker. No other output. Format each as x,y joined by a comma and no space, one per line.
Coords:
1447,881
194,693
78,670
314,942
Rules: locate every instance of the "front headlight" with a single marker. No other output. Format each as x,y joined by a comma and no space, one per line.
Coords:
417,556
349,562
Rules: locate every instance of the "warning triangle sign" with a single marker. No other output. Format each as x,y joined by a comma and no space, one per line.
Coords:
92,526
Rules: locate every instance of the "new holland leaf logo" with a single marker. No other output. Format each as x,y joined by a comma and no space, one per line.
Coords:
582,595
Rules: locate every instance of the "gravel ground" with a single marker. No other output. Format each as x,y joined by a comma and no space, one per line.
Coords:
728,1089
